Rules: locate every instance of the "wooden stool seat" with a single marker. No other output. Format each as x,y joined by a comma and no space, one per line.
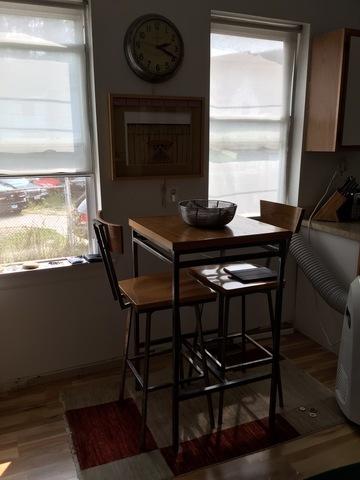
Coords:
215,277
154,292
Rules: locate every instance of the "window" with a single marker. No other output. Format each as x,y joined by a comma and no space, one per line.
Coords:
45,149
250,111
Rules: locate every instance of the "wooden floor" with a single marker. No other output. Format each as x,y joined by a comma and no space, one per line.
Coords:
33,440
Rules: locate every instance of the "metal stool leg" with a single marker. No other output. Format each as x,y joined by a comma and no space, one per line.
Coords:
137,348
191,368
126,353
204,364
181,359
243,329
182,373
271,312
195,341
225,320
220,346
145,381
221,316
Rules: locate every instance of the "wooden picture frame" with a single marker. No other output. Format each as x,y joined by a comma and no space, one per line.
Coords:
154,136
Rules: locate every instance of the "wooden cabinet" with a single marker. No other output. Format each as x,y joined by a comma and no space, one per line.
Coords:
334,92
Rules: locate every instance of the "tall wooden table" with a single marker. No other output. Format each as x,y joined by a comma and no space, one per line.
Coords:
171,240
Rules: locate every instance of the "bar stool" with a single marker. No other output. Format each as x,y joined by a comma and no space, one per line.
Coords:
146,295
228,287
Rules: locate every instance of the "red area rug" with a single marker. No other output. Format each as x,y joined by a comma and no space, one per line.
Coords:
110,432
107,432
226,444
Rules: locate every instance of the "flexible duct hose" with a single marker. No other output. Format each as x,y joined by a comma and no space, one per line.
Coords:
322,280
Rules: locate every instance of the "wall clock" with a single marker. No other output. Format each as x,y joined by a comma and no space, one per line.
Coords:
153,47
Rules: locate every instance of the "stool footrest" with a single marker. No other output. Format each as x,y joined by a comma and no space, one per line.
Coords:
227,384
152,388
241,365
251,363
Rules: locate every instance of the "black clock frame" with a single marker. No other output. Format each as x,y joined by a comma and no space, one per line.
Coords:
129,49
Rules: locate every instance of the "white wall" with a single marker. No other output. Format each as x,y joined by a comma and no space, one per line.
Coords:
42,327
54,320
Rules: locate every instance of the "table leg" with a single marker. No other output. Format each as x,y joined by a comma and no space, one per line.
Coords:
135,266
272,322
137,346
243,330
176,355
126,353
276,337
146,382
225,324
135,258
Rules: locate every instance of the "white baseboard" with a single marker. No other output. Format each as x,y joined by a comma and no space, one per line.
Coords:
53,377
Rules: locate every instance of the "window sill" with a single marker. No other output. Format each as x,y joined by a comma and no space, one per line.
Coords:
51,274
43,265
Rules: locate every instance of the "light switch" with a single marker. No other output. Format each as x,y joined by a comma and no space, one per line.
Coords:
173,195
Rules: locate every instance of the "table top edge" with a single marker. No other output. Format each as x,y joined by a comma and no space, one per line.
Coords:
278,235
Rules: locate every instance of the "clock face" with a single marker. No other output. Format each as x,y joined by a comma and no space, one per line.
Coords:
153,48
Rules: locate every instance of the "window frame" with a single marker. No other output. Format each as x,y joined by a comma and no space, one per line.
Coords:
84,50
290,33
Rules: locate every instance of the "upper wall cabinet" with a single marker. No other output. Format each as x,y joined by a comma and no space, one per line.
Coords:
334,92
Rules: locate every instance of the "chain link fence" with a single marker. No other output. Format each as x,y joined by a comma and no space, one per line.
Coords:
42,218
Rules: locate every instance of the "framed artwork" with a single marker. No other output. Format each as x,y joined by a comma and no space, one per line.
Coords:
156,136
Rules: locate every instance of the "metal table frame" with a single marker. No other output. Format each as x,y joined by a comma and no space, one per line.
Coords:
278,250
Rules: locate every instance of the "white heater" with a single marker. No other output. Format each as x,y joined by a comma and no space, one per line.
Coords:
348,372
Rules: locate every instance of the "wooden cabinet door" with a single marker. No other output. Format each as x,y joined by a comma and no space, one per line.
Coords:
325,82
334,92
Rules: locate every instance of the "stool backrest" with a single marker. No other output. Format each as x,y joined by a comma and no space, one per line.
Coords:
114,234
281,215
110,240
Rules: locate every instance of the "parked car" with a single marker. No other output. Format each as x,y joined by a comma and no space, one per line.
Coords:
33,192
81,219
47,182
77,185
11,199
82,213
78,188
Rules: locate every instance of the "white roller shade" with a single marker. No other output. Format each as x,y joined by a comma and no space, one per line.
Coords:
43,105
251,87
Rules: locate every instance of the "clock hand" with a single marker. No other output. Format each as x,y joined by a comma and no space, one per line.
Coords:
163,45
158,47
167,52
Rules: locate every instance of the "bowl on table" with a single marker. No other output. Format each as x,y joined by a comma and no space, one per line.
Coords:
207,213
